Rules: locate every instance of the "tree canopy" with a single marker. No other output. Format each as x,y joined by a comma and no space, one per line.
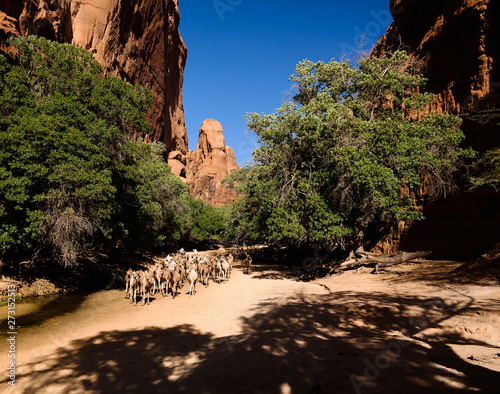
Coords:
351,148
72,178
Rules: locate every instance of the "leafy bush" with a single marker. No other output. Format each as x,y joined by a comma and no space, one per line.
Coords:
352,147
487,168
71,176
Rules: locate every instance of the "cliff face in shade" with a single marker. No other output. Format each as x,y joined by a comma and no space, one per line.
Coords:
204,169
457,42
138,41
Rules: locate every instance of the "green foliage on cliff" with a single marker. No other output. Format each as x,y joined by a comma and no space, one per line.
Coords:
487,168
347,151
71,176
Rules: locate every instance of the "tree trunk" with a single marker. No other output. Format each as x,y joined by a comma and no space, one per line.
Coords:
378,260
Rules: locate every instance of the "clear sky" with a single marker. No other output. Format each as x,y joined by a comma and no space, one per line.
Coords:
241,54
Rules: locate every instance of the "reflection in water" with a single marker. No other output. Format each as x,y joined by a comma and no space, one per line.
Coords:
35,311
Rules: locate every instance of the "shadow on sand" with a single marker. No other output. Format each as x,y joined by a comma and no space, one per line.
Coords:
345,342
272,271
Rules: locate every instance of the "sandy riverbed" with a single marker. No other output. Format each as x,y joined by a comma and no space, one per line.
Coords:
266,333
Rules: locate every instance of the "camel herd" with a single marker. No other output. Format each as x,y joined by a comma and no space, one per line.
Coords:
168,277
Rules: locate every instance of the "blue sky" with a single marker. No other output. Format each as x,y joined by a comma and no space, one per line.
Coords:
241,54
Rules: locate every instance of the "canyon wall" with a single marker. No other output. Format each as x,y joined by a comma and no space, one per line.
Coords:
137,41
457,43
204,169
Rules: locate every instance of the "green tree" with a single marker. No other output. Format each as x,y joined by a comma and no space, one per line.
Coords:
199,221
487,168
351,148
71,176
149,196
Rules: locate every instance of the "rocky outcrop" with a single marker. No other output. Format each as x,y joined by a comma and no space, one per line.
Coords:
138,41
204,169
457,43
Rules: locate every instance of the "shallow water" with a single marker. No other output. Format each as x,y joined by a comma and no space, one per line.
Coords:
33,312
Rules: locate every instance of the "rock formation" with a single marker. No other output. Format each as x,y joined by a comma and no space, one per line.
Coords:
204,169
457,42
138,41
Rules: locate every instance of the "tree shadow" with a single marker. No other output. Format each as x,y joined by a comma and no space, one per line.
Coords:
343,342
118,362
84,277
444,272
273,271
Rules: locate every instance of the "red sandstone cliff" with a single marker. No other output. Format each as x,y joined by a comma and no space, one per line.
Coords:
457,41
138,41
204,169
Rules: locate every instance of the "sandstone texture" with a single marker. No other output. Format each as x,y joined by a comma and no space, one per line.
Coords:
138,41
457,43
204,169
